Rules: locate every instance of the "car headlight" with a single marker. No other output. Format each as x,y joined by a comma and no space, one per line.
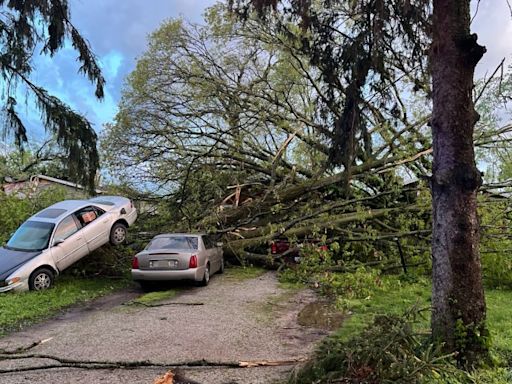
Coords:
14,280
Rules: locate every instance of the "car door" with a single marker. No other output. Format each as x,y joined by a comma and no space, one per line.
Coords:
68,243
217,252
95,226
212,255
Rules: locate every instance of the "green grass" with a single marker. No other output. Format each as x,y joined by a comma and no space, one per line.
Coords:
402,296
291,285
399,297
244,273
396,299
499,318
154,297
24,308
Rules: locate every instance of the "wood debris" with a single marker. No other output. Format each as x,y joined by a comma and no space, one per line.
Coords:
168,378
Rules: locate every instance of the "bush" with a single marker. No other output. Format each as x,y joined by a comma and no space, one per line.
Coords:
359,284
107,261
313,264
387,351
15,210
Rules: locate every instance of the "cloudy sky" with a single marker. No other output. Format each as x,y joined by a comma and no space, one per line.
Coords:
117,31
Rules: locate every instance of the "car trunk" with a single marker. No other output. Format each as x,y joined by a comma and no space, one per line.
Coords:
165,259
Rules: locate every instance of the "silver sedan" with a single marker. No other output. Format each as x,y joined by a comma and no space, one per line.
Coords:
178,256
60,235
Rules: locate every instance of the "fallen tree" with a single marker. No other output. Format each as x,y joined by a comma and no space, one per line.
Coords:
231,128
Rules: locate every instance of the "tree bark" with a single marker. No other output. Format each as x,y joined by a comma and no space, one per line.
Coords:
458,302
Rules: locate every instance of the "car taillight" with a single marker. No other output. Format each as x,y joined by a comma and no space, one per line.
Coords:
273,248
324,248
135,263
193,262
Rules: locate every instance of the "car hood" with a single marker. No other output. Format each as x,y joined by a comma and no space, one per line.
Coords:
11,260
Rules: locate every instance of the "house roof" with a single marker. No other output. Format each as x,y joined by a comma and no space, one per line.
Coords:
36,178
60,181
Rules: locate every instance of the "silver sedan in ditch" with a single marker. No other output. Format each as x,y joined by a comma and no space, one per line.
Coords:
178,256
60,235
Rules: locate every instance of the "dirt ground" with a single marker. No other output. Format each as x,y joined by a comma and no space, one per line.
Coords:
248,320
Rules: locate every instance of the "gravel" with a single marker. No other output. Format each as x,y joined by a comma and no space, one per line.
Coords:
247,320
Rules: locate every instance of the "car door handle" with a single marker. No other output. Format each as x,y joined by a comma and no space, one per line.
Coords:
105,222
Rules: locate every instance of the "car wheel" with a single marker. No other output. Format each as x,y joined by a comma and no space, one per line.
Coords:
206,277
40,279
221,270
118,234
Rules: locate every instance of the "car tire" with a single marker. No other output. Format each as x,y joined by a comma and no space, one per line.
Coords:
118,234
222,266
206,276
41,279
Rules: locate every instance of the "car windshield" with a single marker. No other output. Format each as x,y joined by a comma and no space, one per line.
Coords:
173,242
31,236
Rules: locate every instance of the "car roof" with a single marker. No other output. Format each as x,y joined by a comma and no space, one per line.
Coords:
180,234
109,200
67,206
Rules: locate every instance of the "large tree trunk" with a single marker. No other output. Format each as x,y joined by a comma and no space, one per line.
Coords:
458,313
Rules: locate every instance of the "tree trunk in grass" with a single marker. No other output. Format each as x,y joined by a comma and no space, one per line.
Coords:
458,303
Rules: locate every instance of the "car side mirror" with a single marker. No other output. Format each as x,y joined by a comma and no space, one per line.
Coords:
219,244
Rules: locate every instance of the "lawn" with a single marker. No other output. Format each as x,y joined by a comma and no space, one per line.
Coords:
402,296
24,308
399,297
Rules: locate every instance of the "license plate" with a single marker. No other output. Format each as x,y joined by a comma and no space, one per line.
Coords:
163,264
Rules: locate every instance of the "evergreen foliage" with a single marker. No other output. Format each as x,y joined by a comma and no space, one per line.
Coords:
27,26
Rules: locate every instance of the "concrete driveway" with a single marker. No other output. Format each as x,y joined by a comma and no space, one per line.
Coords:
248,320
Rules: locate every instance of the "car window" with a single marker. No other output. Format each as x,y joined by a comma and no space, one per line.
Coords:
51,213
207,242
66,228
88,215
31,236
174,242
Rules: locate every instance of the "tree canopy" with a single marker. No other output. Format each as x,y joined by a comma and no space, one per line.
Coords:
227,105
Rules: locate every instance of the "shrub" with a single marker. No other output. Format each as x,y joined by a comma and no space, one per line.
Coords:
14,210
313,263
387,351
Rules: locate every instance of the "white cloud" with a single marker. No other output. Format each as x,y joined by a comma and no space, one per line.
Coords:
111,64
118,30
493,24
